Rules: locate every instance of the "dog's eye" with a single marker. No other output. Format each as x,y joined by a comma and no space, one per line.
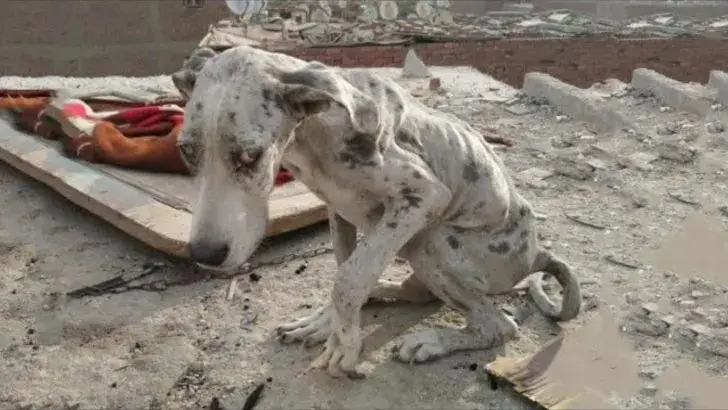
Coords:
246,158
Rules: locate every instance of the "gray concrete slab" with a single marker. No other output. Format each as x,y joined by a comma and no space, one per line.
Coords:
692,98
574,101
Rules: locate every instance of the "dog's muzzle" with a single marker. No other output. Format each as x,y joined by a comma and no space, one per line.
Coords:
209,253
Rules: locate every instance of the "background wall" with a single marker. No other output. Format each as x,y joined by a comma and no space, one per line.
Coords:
100,37
148,37
580,62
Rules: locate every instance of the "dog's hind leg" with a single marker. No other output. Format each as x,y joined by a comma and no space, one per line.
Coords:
458,279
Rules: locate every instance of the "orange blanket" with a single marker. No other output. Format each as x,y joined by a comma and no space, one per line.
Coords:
140,137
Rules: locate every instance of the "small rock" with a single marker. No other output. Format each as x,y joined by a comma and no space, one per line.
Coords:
512,101
714,343
696,294
687,303
589,282
414,67
715,127
666,108
719,320
534,177
590,301
576,169
435,84
521,109
698,329
649,373
630,298
562,118
649,390
669,320
676,151
651,328
597,163
642,160
248,320
649,308
669,128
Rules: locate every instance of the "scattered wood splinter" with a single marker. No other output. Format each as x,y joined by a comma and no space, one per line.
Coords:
232,289
584,223
612,259
681,198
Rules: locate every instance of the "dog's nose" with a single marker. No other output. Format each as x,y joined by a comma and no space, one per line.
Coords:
209,253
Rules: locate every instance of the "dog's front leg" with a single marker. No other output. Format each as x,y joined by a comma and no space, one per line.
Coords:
343,236
407,213
315,328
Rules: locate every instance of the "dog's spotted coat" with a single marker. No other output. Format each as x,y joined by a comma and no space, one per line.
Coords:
416,182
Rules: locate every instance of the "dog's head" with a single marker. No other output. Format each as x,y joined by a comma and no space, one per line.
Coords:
241,114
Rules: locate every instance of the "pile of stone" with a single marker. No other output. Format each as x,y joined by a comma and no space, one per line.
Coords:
317,23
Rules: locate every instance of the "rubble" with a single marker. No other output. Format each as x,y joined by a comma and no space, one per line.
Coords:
308,23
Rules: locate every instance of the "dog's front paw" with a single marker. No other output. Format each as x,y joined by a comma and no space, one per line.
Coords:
341,353
419,347
311,330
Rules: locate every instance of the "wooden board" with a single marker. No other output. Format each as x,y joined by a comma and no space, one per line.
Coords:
529,377
133,210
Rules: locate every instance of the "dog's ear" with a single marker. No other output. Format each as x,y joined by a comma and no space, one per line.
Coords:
307,91
312,90
186,78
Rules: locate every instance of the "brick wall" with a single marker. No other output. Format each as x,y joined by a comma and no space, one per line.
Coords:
580,62
151,37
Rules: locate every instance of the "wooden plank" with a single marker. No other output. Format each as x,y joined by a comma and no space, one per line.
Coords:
529,377
133,210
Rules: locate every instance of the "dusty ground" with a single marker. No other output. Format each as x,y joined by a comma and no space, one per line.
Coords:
180,347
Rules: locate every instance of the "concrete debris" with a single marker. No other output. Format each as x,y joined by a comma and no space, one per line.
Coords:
677,151
414,67
649,390
294,23
578,169
669,128
642,160
534,177
715,127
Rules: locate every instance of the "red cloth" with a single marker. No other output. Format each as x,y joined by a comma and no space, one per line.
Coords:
141,137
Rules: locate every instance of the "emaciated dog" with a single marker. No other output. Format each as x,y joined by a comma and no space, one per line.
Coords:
418,183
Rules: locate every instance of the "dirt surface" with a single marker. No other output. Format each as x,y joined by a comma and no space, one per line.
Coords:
604,211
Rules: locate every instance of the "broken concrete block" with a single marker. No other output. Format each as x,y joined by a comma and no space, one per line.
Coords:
534,177
719,81
576,102
691,98
578,169
414,67
676,151
642,160
715,127
521,109
669,128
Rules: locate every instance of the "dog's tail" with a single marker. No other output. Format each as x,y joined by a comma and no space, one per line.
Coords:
547,263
